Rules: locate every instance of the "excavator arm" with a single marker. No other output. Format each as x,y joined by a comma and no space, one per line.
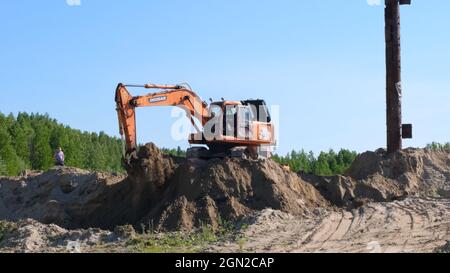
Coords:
171,96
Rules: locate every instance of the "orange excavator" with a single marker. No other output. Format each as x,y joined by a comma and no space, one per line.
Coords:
223,129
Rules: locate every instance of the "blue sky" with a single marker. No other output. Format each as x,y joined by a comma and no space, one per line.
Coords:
322,62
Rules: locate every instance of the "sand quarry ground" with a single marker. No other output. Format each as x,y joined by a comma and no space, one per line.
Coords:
384,203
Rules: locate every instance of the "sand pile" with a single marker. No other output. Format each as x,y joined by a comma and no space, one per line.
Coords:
376,176
197,192
67,207
161,192
71,198
169,193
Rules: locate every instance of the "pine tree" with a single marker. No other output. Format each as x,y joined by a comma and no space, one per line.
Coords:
96,159
322,167
3,171
73,149
21,140
7,153
42,153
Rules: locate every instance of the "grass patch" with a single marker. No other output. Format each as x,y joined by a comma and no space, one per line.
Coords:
183,242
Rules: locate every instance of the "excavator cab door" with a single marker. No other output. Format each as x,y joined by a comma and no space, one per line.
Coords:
230,120
216,111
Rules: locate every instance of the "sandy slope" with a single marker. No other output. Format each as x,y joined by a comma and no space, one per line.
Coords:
412,225
355,212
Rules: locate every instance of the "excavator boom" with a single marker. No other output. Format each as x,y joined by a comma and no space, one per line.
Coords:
171,96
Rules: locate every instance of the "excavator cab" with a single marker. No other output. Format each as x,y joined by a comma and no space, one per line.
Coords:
225,114
237,117
237,124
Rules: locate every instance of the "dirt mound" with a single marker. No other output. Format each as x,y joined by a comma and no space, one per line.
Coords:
376,176
231,189
67,205
71,198
199,192
151,165
170,193
162,192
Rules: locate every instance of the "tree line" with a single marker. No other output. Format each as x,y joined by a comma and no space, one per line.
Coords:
325,164
331,163
29,141
175,152
435,146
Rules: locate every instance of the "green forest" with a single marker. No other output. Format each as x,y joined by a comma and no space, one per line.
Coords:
438,146
29,141
325,164
330,163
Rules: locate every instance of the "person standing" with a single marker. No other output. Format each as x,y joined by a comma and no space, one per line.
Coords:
59,157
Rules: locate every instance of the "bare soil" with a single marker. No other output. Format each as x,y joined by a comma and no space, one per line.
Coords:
210,191
377,177
384,203
163,192
30,236
408,226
